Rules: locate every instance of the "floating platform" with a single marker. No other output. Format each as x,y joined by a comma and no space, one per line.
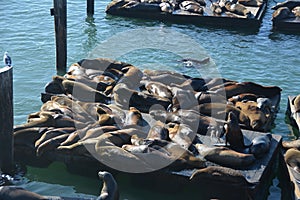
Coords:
208,18
288,25
151,117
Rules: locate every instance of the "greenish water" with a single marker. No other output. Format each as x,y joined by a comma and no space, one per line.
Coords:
27,32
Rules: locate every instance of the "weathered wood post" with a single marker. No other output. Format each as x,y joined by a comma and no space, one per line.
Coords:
90,7
60,22
6,120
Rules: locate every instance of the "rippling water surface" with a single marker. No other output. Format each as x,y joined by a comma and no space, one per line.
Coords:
27,32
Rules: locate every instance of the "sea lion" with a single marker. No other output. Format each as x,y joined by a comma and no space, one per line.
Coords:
257,118
182,99
192,7
216,8
296,11
220,174
233,133
97,131
103,63
28,136
291,144
109,189
158,131
282,13
243,97
181,134
81,91
166,7
53,133
290,4
51,144
256,3
234,89
193,84
132,76
260,145
296,103
158,89
133,118
18,193
292,158
238,9
126,98
166,78
207,97
225,156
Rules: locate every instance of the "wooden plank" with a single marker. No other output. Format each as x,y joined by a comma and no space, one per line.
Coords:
6,120
60,23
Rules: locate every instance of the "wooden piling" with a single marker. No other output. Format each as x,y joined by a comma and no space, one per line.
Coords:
60,22
90,7
6,120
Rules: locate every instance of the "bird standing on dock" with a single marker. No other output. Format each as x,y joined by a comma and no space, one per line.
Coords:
7,59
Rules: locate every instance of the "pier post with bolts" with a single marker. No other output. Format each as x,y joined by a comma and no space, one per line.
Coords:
60,22
90,7
6,120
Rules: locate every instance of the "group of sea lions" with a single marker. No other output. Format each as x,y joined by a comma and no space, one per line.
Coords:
147,120
231,8
286,9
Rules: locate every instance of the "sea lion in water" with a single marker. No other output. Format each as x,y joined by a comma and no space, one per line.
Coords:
225,157
109,189
260,145
233,133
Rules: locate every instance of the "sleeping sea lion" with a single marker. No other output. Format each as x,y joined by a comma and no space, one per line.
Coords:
51,144
291,144
158,89
192,7
292,158
126,98
181,134
290,4
296,103
221,174
238,9
282,13
225,156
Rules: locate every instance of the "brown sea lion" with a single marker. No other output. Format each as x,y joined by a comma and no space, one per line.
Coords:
291,144
51,144
181,134
249,87
126,98
96,132
221,174
182,99
282,13
158,131
53,133
238,9
257,118
296,103
225,156
296,11
233,133
28,136
81,91
191,6
76,135
290,4
207,97
109,189
134,117
292,158
18,193
194,84
243,97
102,64
255,3
132,77
166,79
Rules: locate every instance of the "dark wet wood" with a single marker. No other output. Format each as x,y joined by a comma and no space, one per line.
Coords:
289,25
90,7
60,23
6,120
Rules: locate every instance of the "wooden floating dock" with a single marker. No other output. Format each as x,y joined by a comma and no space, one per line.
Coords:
288,25
207,19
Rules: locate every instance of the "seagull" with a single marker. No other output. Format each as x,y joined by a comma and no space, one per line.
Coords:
6,59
